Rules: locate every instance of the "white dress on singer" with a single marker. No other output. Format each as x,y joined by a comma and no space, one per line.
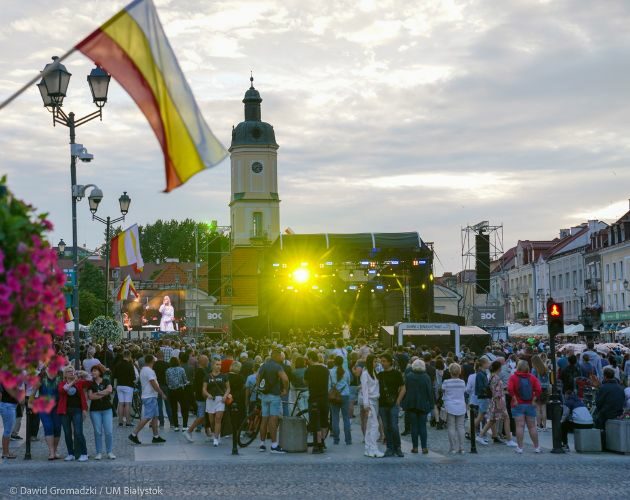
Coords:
168,315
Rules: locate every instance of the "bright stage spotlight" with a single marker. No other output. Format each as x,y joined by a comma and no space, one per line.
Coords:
301,275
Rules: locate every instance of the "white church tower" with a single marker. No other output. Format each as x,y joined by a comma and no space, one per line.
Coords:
254,205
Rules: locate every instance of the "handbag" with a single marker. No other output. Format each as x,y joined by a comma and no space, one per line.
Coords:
334,396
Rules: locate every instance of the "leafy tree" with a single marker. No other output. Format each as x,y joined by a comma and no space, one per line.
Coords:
92,280
90,306
176,239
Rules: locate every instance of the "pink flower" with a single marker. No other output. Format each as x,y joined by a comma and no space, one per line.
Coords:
5,292
6,308
43,405
8,380
47,225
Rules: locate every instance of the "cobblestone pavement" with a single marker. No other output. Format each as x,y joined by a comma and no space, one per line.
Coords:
342,472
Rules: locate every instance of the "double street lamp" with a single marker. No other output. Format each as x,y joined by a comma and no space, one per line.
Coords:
124,201
53,88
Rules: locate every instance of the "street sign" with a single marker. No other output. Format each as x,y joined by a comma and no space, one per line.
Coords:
488,316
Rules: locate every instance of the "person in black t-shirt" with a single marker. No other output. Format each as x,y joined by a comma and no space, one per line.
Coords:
392,387
215,389
317,378
124,375
101,411
9,399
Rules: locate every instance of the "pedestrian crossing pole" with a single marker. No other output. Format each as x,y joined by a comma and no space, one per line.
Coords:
555,326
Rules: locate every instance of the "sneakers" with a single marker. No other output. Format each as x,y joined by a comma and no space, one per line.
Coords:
482,440
215,443
15,437
538,450
511,443
461,452
98,456
389,453
518,450
134,439
184,429
69,458
262,448
175,429
83,458
425,451
111,456
317,450
158,439
399,453
188,437
277,449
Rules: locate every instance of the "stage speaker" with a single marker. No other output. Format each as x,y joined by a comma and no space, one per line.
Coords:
482,263
421,290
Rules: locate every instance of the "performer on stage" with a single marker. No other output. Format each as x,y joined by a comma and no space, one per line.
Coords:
168,314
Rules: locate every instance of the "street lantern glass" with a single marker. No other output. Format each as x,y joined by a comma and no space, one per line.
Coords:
46,99
56,79
124,202
61,246
94,199
98,79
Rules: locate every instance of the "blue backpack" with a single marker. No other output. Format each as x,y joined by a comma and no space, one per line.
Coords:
525,389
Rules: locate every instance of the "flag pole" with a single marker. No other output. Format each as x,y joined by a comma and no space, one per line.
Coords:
33,80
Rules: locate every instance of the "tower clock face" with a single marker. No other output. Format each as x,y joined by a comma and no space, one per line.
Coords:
257,167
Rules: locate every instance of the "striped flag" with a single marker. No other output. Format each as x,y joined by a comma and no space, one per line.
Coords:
125,249
126,289
133,48
68,316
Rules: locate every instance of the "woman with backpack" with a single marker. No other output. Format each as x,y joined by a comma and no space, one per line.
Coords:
541,372
524,389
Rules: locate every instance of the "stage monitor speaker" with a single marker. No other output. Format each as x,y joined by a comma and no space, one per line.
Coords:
482,263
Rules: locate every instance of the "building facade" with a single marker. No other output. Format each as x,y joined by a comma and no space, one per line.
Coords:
615,259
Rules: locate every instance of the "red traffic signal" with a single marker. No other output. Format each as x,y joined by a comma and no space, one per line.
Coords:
555,310
555,318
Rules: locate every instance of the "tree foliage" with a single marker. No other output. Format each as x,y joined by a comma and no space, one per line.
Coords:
92,290
176,239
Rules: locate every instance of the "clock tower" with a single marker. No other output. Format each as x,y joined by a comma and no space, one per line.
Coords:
254,205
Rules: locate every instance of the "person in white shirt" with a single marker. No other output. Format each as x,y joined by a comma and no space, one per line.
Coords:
455,404
90,362
150,411
370,392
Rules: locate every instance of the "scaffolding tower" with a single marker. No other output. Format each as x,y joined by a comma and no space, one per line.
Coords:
467,281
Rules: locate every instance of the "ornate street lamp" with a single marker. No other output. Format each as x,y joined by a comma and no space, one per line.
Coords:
99,84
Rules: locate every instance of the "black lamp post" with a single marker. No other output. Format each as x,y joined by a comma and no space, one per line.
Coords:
53,88
581,315
61,247
124,201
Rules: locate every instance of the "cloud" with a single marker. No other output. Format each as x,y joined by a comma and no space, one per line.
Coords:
390,115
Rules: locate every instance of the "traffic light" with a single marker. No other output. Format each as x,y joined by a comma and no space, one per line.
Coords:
555,318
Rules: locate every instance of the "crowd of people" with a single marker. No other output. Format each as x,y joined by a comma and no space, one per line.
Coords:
192,384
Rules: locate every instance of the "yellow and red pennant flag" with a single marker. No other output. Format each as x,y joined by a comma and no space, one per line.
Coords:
126,289
68,316
125,249
133,48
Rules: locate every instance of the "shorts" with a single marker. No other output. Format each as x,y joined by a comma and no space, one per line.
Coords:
483,405
150,408
7,411
215,405
318,414
524,410
271,405
201,408
125,393
51,422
